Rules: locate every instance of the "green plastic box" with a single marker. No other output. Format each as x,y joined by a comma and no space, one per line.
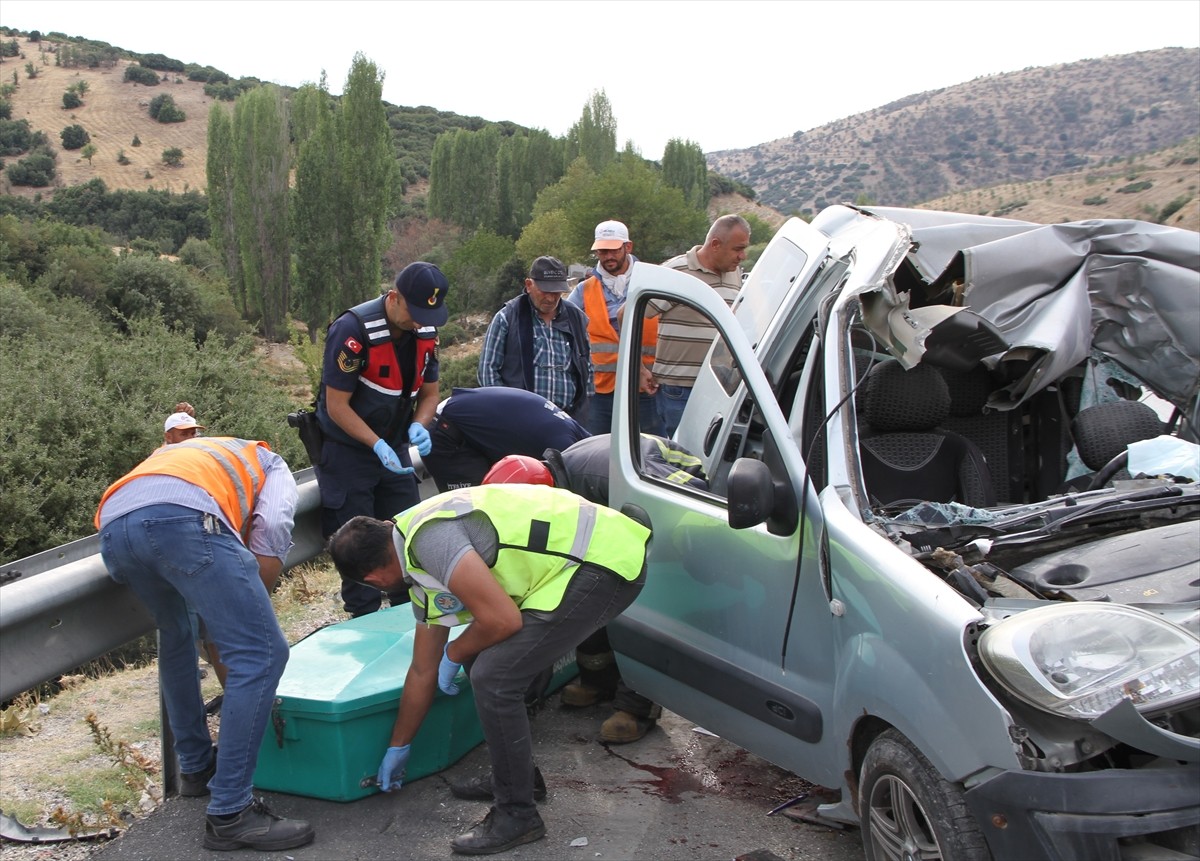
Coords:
336,703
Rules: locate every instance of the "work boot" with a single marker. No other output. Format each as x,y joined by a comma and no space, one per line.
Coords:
195,785
623,727
480,788
256,827
578,695
500,831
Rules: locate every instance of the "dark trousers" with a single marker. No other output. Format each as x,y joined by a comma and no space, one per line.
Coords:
501,674
353,482
452,461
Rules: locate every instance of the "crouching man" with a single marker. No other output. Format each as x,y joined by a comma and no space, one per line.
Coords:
532,571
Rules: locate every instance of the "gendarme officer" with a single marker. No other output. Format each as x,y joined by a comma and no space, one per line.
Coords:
379,390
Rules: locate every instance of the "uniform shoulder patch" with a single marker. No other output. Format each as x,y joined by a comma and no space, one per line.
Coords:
447,602
348,363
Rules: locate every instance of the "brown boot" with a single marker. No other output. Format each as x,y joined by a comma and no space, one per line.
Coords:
624,727
578,695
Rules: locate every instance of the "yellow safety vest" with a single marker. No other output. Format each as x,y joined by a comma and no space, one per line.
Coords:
544,534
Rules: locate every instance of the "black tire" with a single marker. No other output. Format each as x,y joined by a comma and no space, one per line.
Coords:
908,811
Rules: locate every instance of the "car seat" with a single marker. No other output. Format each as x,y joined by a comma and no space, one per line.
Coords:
1102,433
906,454
996,432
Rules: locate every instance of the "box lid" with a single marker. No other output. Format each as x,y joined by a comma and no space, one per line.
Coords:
351,665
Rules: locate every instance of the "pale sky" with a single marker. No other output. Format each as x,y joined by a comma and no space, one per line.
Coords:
726,75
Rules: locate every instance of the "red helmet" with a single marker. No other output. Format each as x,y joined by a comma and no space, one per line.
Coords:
519,469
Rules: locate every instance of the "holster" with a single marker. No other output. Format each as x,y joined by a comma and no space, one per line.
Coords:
306,424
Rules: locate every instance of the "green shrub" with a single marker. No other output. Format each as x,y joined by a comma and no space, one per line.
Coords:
99,409
71,100
172,156
1173,207
16,137
1135,187
141,75
74,137
1098,200
462,373
164,109
35,170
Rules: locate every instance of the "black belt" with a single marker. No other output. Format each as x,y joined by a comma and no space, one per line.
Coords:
451,432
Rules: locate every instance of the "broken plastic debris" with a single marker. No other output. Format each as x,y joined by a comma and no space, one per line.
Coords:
703,731
579,841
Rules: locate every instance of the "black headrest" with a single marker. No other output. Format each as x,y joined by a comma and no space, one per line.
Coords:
897,400
1103,431
969,390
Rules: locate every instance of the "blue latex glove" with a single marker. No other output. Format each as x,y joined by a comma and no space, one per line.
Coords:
391,770
389,458
447,670
419,437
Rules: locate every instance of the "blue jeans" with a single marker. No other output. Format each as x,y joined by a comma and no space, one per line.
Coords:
600,413
671,401
172,561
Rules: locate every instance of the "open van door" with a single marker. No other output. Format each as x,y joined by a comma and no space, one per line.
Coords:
730,568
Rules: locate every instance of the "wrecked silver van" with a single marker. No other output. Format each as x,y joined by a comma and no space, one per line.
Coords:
948,563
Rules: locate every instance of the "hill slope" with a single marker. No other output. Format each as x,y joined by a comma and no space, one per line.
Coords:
113,113
1019,126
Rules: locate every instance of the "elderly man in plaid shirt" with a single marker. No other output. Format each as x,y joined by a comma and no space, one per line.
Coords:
539,343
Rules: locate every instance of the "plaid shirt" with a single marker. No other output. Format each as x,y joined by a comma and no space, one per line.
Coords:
552,378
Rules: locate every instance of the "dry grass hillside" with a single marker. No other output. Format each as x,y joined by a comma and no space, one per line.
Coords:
113,112
1143,188
1025,125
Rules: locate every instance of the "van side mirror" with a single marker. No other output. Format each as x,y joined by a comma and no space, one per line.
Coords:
751,497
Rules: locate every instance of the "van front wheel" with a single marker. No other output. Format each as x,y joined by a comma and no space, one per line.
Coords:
909,812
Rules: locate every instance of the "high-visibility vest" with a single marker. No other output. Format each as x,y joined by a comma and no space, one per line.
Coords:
545,534
225,467
603,338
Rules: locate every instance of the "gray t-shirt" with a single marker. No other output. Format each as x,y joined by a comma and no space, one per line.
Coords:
440,545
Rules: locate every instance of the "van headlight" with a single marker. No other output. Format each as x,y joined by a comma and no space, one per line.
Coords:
1079,660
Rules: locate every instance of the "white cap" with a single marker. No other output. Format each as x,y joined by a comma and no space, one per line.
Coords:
180,420
610,234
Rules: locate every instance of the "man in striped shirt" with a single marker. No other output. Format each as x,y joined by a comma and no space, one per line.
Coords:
684,334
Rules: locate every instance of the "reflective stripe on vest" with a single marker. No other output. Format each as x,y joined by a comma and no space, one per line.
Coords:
226,468
544,535
603,338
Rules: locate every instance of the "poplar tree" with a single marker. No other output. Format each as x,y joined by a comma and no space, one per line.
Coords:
261,168
366,175
684,167
314,218
222,229
594,136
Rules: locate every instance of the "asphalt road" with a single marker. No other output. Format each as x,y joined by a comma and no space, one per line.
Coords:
676,794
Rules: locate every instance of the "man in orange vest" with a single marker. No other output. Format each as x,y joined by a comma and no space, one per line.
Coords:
601,297
206,524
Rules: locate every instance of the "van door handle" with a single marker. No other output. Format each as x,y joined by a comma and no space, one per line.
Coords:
710,436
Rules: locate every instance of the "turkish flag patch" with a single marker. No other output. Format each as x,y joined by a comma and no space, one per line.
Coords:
353,345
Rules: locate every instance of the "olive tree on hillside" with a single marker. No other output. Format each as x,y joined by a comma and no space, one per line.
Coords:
74,136
260,196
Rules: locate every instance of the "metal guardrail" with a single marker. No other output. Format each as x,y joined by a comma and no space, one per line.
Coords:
60,609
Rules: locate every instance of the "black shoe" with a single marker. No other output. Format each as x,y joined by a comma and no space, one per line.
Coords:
213,706
480,788
500,831
256,827
195,785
